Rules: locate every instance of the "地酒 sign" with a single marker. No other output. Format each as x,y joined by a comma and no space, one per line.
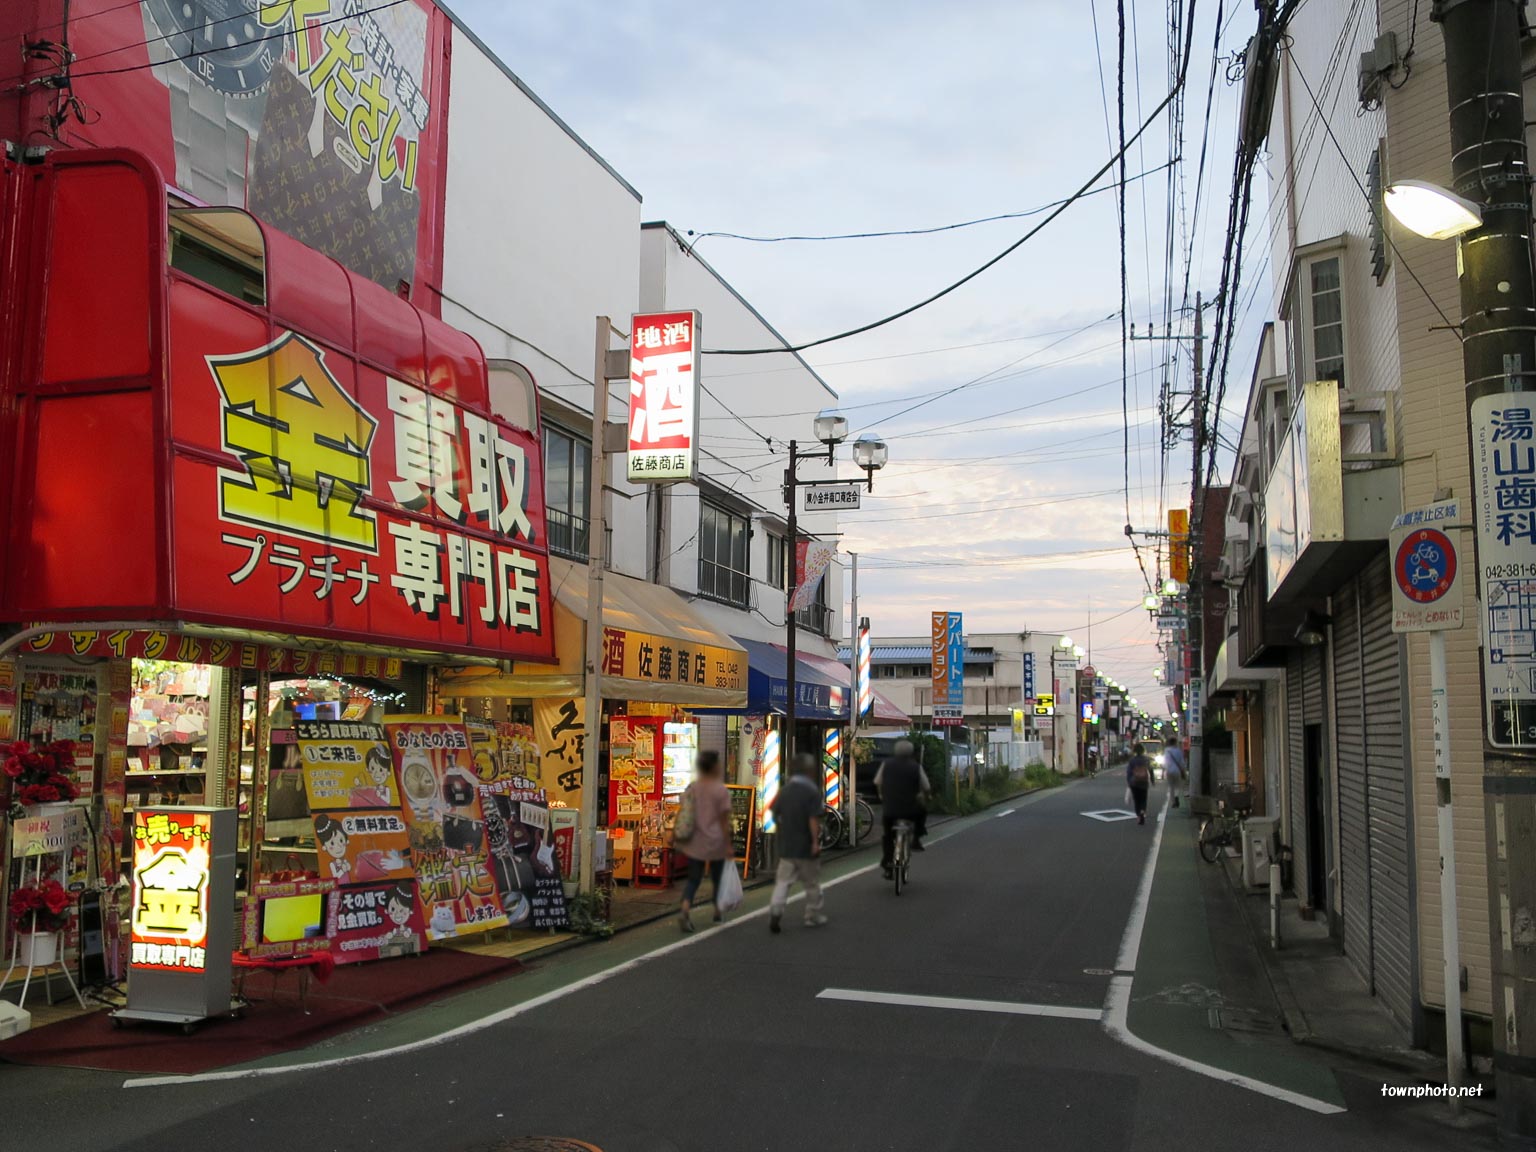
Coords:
1504,514
830,497
1426,569
663,396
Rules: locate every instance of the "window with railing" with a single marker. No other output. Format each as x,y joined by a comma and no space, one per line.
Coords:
723,569
567,472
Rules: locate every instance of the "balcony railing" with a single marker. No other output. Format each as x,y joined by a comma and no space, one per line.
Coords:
567,534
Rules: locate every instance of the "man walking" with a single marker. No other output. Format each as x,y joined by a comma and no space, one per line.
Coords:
797,821
903,787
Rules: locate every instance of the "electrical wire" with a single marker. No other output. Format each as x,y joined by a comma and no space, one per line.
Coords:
969,276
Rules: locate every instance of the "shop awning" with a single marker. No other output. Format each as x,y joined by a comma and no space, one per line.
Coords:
882,711
649,632
818,696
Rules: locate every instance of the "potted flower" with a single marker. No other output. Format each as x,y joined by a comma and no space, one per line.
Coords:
38,776
38,913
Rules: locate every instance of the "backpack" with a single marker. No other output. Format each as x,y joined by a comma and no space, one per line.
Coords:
1139,773
687,817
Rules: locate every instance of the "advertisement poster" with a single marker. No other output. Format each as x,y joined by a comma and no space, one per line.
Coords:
171,870
346,765
560,731
447,832
375,922
524,854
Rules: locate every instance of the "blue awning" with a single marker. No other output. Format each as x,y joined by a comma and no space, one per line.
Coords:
817,695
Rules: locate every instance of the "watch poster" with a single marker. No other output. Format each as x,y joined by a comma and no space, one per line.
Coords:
325,118
524,856
440,793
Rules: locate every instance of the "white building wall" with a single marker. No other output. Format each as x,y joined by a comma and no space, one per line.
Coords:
539,238
751,400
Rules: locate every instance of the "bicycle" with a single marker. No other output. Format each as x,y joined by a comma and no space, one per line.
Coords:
832,826
901,853
1225,828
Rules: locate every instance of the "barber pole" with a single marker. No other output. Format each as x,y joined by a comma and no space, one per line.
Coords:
769,787
832,766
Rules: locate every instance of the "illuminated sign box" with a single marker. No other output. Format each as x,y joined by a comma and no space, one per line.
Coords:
181,922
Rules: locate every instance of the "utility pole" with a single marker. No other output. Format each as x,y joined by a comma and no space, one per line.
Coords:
850,807
596,560
787,757
1193,626
1498,307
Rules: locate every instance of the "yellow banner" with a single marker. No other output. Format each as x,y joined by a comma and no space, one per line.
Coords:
665,660
560,728
1178,544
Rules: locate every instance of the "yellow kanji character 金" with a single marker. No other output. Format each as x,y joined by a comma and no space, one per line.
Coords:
303,443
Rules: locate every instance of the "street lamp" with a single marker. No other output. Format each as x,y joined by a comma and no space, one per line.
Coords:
1151,601
1432,211
1170,587
869,453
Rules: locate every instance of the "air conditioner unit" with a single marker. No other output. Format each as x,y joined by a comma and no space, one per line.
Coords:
1375,66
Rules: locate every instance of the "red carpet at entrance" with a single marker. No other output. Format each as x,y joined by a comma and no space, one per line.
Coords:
356,995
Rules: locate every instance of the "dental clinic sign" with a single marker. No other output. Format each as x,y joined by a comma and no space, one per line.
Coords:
663,397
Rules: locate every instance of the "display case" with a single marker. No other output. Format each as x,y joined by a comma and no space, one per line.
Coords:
680,745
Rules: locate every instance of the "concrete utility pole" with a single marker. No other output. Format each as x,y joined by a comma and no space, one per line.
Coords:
1498,308
1193,625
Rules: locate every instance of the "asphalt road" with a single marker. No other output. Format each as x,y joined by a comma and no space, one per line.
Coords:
726,1042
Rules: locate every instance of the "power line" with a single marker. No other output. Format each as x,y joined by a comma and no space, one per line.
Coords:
969,276
911,231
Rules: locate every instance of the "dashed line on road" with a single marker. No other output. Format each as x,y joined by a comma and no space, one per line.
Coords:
1005,812
1007,1007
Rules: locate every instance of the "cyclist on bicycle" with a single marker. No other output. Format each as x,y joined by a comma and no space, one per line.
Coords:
903,788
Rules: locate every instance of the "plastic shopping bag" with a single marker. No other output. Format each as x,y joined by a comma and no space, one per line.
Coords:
730,895
1129,799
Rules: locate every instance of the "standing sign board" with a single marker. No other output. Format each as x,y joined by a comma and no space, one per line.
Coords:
743,806
1504,478
182,921
948,670
1426,569
663,397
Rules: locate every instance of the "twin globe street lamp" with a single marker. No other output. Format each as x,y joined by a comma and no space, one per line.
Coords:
870,454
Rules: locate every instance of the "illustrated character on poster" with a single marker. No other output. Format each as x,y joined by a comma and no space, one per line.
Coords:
331,839
399,906
381,770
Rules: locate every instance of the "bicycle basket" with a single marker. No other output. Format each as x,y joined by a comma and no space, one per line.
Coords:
1238,801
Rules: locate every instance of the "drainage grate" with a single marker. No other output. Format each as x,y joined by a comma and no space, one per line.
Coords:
1240,1020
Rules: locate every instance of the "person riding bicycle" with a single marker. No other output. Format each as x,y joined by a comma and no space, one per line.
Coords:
903,788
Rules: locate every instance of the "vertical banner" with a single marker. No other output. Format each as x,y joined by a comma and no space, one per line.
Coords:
812,559
1178,544
663,396
441,795
948,669
1029,676
560,734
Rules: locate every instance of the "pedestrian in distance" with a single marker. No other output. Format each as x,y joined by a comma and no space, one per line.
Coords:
797,826
1173,768
1138,778
904,789
702,833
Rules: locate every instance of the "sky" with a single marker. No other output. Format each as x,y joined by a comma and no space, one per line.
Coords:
1007,499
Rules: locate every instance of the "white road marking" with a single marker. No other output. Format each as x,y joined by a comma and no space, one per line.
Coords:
1109,815
484,1022
508,1013
1005,812
1117,1003
1007,1007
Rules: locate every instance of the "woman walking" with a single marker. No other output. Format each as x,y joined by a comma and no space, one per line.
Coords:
1138,777
703,833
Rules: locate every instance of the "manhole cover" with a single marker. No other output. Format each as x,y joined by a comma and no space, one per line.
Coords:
1240,1020
543,1144
1098,971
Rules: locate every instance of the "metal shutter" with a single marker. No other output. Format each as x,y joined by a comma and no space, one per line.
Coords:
1295,760
1387,781
1354,793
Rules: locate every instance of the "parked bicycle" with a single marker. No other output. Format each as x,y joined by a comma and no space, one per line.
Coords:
832,827
1225,828
901,853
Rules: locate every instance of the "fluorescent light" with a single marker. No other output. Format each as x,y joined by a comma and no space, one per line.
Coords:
1430,210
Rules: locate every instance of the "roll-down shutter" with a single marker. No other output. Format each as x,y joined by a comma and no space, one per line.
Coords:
1350,758
1295,761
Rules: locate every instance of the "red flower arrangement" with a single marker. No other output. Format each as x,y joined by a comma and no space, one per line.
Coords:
39,776
48,902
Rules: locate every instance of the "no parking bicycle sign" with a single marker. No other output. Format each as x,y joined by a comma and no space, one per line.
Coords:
1426,570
